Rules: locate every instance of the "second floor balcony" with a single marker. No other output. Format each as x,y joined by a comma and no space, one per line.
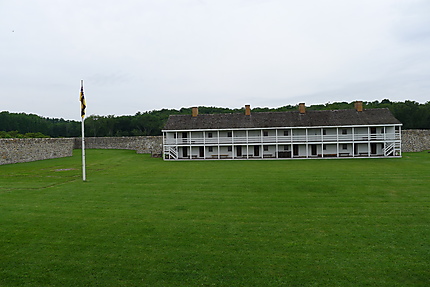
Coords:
281,139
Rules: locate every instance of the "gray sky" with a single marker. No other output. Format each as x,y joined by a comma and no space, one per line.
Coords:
141,55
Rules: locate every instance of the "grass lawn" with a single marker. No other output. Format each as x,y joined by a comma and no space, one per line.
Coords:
139,221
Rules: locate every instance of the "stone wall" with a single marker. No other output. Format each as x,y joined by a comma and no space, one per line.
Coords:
415,140
141,144
25,150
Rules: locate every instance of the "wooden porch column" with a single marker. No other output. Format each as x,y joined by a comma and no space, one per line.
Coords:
337,142
232,144
353,143
204,144
307,146
247,144
218,145
368,141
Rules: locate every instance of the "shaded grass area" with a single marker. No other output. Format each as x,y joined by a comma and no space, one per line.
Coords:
140,221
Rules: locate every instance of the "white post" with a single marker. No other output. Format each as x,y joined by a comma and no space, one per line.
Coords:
84,177
307,145
232,144
337,142
247,144
400,139
353,143
204,144
218,146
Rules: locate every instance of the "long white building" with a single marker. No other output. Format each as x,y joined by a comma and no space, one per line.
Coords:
354,133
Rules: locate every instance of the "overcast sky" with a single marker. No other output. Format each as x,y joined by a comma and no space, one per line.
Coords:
142,55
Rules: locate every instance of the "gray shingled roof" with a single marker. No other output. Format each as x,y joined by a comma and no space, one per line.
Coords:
281,119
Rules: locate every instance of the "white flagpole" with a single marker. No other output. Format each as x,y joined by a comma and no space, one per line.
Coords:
84,176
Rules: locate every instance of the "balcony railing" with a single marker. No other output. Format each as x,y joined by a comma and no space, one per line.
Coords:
281,139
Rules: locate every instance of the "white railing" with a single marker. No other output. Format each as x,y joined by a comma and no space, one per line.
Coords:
388,150
171,152
281,139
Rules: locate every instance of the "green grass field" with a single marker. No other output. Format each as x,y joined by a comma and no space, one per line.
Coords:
139,221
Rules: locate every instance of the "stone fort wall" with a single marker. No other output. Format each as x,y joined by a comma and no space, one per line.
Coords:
25,150
141,144
415,140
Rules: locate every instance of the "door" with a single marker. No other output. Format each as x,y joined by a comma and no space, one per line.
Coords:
201,151
372,133
313,149
184,151
256,150
373,148
239,151
295,150
184,137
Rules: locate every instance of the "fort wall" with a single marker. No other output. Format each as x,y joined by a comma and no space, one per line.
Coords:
141,144
29,149
415,140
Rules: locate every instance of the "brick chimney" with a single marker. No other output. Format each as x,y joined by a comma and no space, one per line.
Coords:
358,106
195,111
247,110
302,108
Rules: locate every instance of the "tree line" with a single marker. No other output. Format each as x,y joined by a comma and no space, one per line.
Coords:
412,114
16,134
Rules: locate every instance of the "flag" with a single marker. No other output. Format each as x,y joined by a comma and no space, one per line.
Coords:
83,103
